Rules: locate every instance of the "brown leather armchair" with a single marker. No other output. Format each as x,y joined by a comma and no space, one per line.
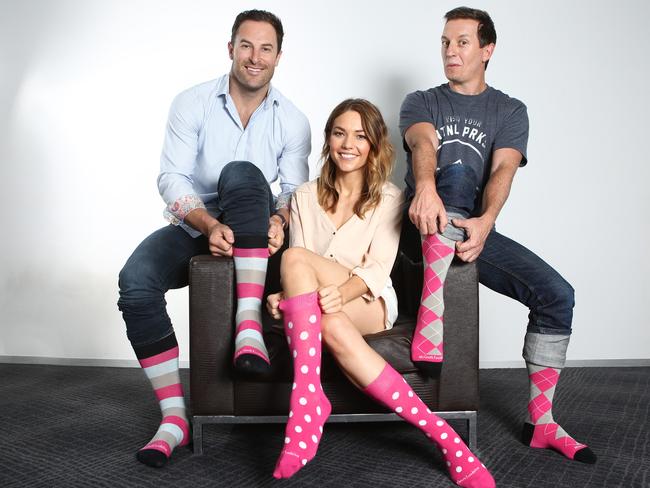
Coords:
218,395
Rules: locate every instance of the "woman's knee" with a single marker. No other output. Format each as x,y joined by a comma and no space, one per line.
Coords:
294,260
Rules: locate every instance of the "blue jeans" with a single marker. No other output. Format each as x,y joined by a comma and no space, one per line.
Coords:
510,269
161,261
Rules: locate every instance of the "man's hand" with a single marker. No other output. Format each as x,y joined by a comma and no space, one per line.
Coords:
477,229
330,299
427,211
220,240
276,234
273,304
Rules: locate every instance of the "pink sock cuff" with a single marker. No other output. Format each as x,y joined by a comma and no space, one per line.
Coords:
382,383
240,252
299,302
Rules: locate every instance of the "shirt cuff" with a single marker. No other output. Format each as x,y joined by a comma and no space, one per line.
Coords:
283,200
176,211
374,290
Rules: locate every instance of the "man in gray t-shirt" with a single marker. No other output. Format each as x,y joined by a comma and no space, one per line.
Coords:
464,142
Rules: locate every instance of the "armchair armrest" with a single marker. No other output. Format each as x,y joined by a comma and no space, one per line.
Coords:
212,314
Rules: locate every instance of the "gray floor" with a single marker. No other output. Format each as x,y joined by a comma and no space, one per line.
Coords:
80,426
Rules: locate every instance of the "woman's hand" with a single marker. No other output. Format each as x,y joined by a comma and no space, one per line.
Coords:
273,304
330,299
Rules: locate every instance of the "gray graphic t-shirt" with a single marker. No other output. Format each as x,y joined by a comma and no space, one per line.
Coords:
469,128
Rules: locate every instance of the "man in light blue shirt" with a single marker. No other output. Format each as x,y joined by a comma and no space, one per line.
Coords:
226,141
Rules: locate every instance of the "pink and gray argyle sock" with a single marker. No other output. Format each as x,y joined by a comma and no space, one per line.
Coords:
309,407
427,343
464,468
160,363
541,431
251,355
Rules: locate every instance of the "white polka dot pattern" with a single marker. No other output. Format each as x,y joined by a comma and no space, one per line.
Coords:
308,401
397,395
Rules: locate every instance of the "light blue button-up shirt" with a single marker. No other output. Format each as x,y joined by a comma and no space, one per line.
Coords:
204,133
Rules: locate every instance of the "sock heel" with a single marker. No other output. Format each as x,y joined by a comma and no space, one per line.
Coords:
586,456
527,433
152,457
252,365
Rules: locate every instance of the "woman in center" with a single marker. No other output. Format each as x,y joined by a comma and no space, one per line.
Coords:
344,233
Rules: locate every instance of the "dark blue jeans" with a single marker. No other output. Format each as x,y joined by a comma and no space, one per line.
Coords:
513,270
509,268
160,262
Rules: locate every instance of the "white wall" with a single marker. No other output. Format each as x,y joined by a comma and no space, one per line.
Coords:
84,92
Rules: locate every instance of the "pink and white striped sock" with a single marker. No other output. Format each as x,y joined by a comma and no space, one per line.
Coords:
464,467
251,355
541,431
309,407
427,343
160,364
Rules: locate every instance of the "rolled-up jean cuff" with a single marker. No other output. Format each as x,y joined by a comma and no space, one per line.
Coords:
546,349
451,231
141,340
537,329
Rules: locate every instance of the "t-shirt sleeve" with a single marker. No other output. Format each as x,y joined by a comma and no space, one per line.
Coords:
417,107
514,131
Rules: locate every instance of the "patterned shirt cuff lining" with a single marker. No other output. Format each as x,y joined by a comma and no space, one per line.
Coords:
176,211
283,201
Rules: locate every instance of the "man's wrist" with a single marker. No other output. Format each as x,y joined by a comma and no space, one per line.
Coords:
489,218
425,185
281,218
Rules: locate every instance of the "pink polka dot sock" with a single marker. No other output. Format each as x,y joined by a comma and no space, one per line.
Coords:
160,363
541,431
427,343
251,355
464,467
309,407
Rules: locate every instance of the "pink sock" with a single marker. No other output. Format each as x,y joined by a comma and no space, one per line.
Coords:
160,363
542,431
251,355
309,407
464,467
427,344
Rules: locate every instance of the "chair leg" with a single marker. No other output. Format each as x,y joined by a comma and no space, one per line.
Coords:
472,424
197,436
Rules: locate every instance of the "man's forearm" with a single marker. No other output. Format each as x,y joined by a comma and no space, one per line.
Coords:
424,164
201,220
496,193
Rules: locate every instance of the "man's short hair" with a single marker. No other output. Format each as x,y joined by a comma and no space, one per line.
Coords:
486,32
259,16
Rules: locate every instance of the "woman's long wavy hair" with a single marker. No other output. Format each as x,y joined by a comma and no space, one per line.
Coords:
378,166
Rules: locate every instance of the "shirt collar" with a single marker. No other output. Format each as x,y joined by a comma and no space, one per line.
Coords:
272,97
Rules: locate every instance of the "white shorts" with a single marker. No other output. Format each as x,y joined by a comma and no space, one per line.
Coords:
390,303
